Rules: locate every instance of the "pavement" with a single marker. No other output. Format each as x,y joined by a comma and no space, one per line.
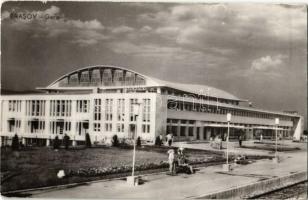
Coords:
205,181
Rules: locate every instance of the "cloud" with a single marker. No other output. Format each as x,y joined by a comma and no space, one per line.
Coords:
121,29
230,26
170,31
267,63
80,32
145,29
5,15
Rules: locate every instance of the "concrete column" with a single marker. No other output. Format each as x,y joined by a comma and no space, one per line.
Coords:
201,133
74,143
195,132
186,130
179,128
47,142
208,133
23,141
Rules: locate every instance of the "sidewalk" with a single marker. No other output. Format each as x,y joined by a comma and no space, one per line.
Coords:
207,180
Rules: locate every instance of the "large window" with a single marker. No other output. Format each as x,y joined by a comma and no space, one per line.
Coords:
108,109
131,109
97,127
83,106
60,108
120,127
14,105
35,107
146,115
146,111
97,109
85,78
108,127
121,110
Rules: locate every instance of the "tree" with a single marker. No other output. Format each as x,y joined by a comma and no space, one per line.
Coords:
138,141
56,143
15,143
66,141
88,140
115,141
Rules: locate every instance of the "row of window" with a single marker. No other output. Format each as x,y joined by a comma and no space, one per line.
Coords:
184,106
106,77
63,108
60,108
35,107
15,105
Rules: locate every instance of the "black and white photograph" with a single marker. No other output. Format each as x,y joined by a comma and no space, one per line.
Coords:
153,100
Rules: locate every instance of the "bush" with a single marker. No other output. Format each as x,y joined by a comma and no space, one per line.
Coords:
158,141
138,141
15,143
88,140
66,141
115,141
56,143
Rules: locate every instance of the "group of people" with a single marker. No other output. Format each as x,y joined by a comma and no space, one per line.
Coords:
178,162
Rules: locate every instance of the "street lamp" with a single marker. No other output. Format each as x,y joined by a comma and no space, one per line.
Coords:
276,123
132,180
226,167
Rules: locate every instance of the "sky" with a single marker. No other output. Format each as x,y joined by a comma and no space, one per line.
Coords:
257,52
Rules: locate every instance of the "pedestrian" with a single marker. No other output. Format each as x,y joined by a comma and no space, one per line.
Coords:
160,139
261,138
169,139
183,162
240,140
171,162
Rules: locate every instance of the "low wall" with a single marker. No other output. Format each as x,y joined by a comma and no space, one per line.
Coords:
258,188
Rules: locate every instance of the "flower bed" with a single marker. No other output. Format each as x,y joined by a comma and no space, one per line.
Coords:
103,171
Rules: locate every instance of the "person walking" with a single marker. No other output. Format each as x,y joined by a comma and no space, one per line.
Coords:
240,140
169,139
171,161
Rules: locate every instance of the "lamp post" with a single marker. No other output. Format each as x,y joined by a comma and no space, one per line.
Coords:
276,127
226,167
132,180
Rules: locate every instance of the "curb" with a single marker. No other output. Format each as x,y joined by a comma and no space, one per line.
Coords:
258,188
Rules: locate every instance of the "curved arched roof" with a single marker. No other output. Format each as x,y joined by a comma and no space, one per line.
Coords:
106,73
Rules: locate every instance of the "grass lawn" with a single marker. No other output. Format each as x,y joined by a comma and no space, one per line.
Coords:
38,167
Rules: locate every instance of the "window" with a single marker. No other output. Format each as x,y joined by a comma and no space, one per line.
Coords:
120,127
97,127
131,109
108,127
97,109
59,108
182,131
121,110
145,128
190,131
14,105
108,109
146,110
83,106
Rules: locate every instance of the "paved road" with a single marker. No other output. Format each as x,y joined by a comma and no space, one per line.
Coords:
207,180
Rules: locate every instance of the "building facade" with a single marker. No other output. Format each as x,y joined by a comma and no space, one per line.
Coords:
99,100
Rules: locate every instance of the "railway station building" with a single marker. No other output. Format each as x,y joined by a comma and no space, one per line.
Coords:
100,101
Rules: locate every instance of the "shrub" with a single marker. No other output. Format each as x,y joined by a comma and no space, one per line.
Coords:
158,141
15,143
56,143
138,141
66,141
115,141
88,140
